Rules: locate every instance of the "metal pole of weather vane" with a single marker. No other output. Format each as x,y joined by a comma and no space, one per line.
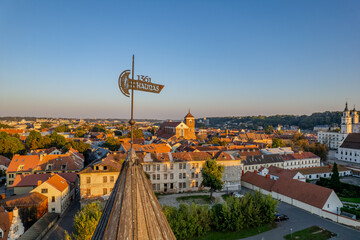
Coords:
143,83
132,121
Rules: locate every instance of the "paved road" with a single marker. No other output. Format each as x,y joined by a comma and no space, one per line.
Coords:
300,219
65,223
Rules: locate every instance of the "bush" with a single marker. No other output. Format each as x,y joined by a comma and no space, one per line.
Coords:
252,210
188,221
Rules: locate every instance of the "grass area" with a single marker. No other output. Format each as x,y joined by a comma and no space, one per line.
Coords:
354,200
237,235
311,233
198,199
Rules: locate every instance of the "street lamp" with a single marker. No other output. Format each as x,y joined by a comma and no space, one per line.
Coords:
291,233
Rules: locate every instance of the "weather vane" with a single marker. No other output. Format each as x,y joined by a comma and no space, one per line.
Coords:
143,83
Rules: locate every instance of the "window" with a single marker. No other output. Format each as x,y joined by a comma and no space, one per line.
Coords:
1,235
165,167
171,186
158,177
165,176
88,180
53,210
180,185
105,179
154,187
197,175
53,199
180,165
44,190
171,166
104,191
171,176
158,187
111,178
184,166
158,167
154,176
105,167
184,185
88,192
196,184
180,175
184,175
154,168
192,175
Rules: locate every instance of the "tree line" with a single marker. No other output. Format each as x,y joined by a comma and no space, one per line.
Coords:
235,214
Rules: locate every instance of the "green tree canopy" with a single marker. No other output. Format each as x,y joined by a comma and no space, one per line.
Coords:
112,144
85,221
34,140
98,128
212,174
269,129
62,128
277,143
10,145
335,179
79,146
137,133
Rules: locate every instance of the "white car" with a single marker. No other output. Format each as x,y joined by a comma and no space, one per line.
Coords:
237,195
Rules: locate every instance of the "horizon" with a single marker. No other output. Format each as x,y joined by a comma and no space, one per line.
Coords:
248,58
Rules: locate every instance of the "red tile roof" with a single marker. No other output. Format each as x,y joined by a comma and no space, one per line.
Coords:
311,194
298,156
281,172
32,179
259,181
23,200
28,162
5,222
4,161
58,182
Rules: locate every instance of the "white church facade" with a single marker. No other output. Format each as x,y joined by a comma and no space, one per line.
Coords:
349,124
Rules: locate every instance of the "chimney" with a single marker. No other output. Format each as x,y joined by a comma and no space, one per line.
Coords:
267,176
256,171
2,196
39,182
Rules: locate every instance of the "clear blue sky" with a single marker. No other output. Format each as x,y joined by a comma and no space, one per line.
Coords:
219,58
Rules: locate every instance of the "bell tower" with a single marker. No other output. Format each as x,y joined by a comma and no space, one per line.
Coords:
346,121
190,122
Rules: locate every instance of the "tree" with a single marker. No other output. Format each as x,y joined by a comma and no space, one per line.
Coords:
212,174
335,179
10,145
320,150
62,128
112,144
98,128
277,143
269,129
85,221
79,146
137,133
34,140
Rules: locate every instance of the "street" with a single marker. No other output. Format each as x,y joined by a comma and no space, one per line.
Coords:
65,223
300,219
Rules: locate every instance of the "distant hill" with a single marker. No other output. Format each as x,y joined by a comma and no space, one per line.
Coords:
303,121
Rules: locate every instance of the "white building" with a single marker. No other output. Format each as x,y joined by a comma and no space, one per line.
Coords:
11,226
57,190
276,173
350,149
349,124
323,171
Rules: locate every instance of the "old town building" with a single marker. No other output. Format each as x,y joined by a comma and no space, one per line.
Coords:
178,130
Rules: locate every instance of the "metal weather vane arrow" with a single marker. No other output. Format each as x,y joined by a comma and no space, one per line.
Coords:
143,83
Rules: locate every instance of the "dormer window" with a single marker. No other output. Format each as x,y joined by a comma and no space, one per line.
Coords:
63,167
49,167
21,167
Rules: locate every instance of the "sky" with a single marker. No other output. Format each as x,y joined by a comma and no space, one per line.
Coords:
216,58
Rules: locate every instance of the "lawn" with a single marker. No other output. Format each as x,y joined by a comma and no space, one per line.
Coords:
198,199
353,200
311,233
237,235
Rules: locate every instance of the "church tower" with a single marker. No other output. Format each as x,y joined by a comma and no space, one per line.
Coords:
355,120
346,121
190,122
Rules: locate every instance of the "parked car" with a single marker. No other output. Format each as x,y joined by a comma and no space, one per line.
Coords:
280,217
237,195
